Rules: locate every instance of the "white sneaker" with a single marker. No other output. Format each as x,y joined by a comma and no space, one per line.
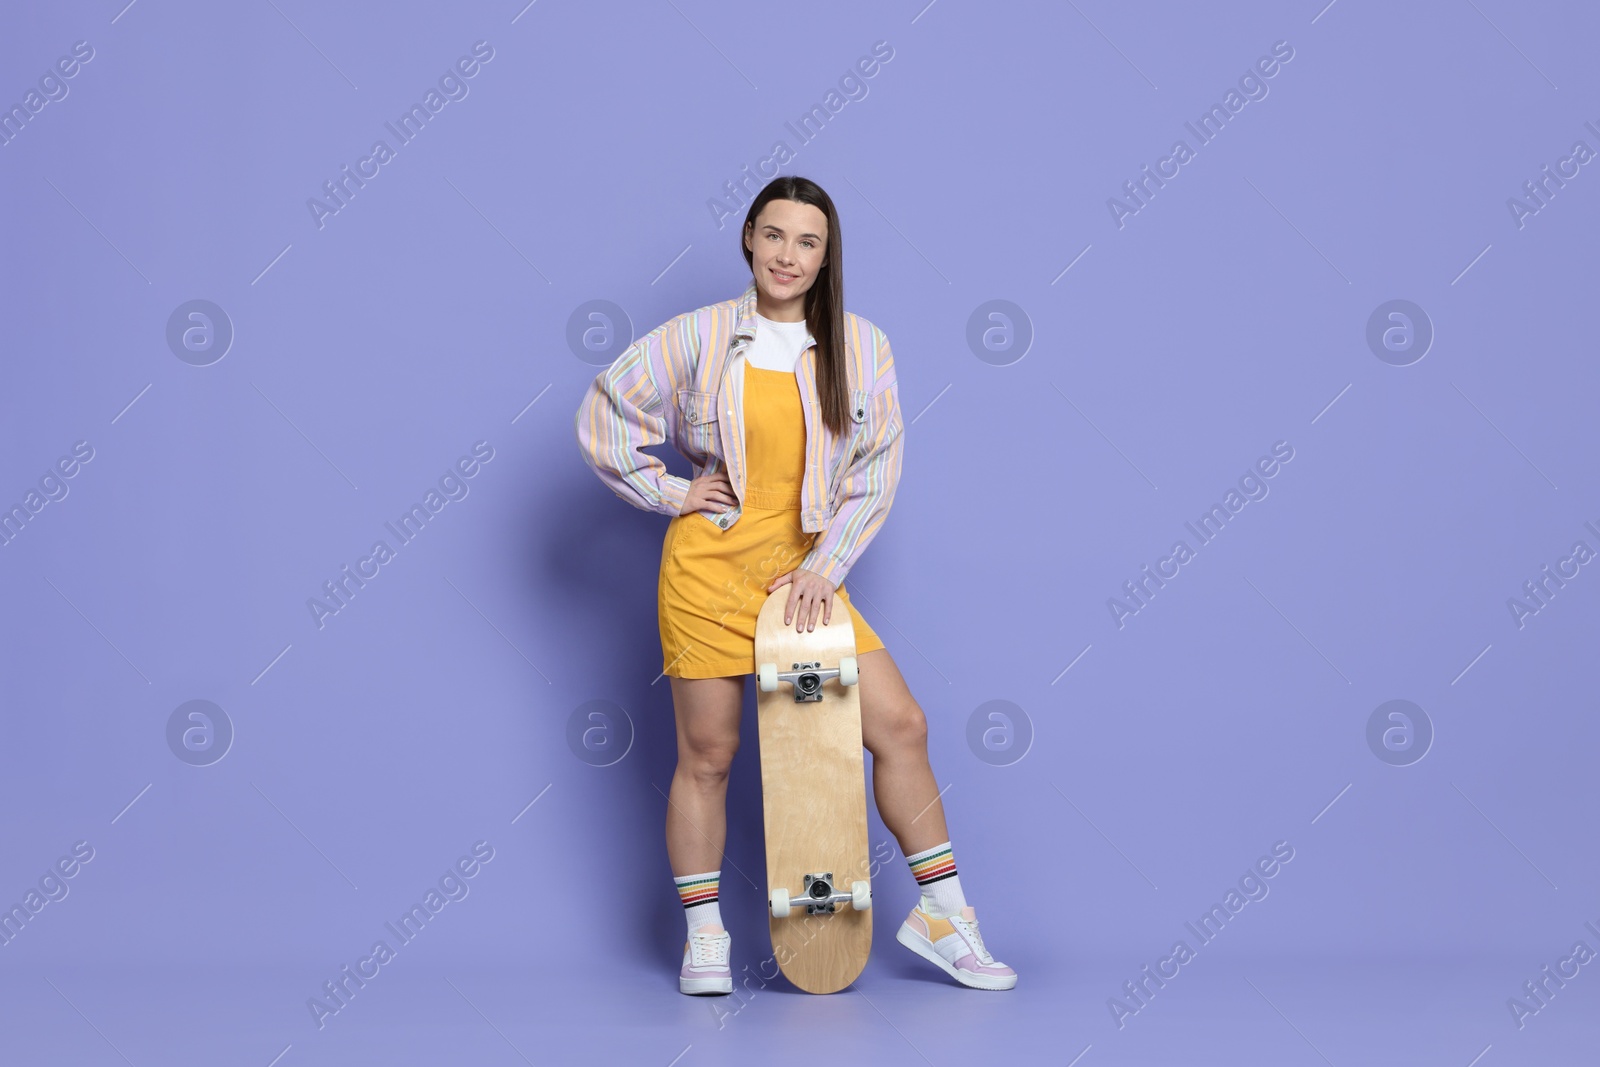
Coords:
955,945
705,962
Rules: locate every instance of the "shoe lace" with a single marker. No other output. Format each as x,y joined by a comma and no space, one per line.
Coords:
970,928
708,948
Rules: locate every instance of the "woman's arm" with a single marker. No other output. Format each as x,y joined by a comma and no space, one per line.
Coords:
622,414
869,482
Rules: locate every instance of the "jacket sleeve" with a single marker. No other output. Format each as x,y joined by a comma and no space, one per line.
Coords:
869,481
622,414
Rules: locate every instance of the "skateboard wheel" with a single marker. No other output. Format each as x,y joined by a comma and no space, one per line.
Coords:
861,895
847,671
767,677
780,904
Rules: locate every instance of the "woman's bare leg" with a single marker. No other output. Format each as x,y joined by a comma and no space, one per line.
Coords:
707,712
895,731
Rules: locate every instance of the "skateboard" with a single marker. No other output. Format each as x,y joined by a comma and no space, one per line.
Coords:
814,799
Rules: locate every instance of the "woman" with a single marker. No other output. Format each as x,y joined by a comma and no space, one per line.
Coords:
788,408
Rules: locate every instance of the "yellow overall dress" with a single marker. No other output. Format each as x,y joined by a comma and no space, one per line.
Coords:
714,581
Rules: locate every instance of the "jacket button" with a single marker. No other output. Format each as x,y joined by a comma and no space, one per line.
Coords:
691,416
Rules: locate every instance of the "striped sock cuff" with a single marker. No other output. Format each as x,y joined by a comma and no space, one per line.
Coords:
694,889
932,865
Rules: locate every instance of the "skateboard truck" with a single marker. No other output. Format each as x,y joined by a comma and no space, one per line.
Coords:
819,895
807,678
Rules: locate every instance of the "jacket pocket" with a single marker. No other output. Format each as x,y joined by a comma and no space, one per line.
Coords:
857,432
698,412
860,428
860,400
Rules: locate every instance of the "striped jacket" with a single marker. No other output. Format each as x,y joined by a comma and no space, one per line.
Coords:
684,380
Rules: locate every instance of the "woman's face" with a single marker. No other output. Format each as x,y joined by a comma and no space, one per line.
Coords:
788,244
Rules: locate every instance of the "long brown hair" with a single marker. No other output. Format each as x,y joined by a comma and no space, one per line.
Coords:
825,298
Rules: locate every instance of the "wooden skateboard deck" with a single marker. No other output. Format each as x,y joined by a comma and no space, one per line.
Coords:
814,800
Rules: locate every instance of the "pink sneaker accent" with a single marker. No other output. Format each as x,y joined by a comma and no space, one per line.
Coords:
705,962
956,946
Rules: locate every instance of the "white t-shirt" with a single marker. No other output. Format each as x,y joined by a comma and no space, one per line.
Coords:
777,345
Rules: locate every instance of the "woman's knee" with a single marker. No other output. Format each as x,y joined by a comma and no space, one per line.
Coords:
708,761
900,728
708,712
913,725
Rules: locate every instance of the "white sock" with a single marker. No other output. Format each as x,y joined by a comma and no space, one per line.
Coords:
935,871
698,892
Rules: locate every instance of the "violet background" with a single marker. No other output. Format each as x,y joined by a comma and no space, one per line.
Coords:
1167,354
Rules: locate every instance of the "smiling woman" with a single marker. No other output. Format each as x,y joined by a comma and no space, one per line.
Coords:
788,407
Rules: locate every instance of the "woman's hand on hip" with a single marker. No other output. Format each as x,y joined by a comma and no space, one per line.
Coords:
709,491
808,592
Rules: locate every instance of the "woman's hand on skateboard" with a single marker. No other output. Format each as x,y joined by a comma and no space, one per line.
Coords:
709,492
808,591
